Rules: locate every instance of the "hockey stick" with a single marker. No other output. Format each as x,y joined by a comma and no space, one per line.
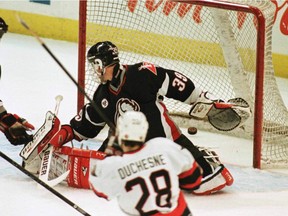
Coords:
69,202
103,116
45,167
58,99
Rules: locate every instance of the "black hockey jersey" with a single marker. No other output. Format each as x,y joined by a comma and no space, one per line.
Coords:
138,87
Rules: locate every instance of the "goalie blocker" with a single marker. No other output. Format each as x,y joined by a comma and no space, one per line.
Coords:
224,116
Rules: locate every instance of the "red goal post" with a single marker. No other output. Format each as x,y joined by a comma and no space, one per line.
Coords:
224,46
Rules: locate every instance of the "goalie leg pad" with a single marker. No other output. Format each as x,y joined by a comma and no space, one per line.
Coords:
219,176
79,175
79,165
215,182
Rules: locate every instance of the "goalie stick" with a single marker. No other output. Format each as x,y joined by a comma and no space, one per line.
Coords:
59,195
45,168
93,104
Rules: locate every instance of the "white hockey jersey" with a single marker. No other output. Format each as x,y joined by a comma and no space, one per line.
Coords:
147,181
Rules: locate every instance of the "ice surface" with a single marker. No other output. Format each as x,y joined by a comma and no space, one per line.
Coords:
29,83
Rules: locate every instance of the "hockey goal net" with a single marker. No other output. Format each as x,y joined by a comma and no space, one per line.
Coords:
223,46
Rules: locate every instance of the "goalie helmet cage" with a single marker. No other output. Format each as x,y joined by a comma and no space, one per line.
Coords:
223,46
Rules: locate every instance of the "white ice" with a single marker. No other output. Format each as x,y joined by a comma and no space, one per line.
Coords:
29,83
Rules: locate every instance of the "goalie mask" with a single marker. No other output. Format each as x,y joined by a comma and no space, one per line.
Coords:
102,55
132,126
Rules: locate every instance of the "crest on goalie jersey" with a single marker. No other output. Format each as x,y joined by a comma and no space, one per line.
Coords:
125,104
151,67
104,103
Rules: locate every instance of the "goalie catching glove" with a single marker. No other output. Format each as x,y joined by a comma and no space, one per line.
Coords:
224,116
15,128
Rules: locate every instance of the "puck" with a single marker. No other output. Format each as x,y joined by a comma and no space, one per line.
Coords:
192,130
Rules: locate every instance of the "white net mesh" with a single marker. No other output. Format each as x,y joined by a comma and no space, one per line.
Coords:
216,48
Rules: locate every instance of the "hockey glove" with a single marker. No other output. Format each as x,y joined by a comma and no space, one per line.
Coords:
230,115
224,116
15,129
64,135
3,27
203,105
112,147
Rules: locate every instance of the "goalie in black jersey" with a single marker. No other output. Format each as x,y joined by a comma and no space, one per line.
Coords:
140,87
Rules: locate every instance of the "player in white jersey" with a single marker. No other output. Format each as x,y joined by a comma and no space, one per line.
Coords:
147,179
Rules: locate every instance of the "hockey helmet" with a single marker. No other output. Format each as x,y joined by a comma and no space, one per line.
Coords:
3,27
103,54
132,126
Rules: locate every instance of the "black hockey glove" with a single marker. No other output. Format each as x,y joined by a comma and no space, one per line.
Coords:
15,129
3,27
111,147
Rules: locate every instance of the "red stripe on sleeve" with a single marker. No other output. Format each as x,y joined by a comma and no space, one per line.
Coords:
99,194
174,128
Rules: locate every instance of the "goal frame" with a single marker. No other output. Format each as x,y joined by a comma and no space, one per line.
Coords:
259,76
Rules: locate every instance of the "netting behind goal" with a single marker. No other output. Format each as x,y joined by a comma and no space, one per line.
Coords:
223,47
